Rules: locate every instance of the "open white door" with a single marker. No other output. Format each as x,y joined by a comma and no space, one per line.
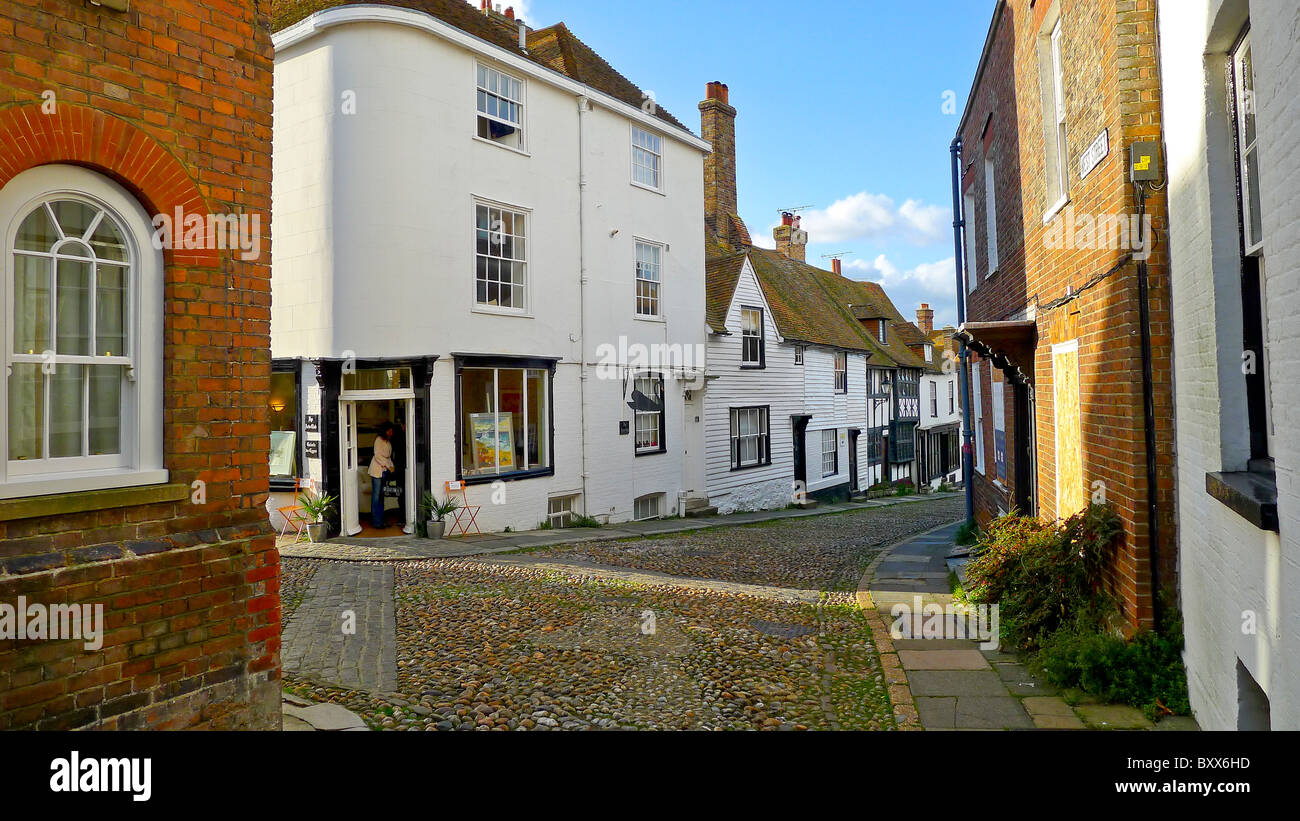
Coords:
409,478
348,457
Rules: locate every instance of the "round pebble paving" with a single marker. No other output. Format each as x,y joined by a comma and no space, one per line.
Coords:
497,647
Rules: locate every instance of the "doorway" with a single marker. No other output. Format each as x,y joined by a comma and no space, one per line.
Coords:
361,418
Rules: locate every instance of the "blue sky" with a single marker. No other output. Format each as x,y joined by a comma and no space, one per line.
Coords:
841,107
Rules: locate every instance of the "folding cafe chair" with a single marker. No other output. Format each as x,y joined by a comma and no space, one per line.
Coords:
295,516
466,515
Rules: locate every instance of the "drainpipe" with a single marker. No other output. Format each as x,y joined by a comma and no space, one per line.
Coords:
584,109
968,431
1148,409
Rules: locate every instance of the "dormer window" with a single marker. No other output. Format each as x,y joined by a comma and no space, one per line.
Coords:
882,333
929,353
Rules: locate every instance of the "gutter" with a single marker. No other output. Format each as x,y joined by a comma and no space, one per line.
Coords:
958,229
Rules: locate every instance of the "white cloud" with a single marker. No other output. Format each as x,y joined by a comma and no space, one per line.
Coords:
932,282
875,216
763,240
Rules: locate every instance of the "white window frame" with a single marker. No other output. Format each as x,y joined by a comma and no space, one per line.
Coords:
968,237
760,421
646,421
482,69
653,147
884,332
1245,106
1055,132
841,372
991,216
562,510
527,238
832,467
798,354
650,499
745,336
141,459
649,276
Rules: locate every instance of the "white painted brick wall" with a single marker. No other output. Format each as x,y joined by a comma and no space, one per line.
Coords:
1229,567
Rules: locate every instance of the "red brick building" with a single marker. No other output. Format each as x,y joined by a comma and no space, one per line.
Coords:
136,409
1055,255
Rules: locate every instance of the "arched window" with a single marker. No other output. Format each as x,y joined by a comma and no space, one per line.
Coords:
81,335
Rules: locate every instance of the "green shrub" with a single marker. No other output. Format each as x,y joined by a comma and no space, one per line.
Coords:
967,534
1146,671
1043,575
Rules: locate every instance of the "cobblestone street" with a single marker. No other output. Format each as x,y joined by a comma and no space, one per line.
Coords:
750,627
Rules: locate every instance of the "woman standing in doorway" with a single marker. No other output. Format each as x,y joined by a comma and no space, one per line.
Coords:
381,465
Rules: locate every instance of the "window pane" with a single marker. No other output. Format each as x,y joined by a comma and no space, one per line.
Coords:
73,307
1246,67
66,409
37,233
539,425
105,409
478,432
74,217
510,384
26,411
1252,186
107,241
31,304
110,311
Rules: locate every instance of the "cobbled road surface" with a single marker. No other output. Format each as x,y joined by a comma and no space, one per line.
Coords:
750,627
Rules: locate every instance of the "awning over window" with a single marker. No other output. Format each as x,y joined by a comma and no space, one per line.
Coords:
1008,345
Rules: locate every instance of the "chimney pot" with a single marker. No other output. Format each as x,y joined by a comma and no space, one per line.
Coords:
510,13
925,319
837,266
718,91
787,218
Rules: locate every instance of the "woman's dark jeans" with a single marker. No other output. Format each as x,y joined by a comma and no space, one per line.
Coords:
377,501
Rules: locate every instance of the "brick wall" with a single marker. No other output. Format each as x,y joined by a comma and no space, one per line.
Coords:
172,100
1072,291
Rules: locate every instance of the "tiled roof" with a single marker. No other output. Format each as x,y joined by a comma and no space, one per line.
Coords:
802,307
558,48
554,47
720,276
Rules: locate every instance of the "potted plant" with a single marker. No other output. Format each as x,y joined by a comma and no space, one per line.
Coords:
317,508
438,511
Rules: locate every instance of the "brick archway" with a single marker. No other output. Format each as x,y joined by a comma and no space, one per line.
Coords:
84,136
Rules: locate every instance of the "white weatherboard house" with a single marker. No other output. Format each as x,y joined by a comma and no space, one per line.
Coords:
1231,73
812,387
481,230
939,440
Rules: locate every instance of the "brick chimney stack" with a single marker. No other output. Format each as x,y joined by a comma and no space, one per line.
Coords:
925,319
791,240
718,127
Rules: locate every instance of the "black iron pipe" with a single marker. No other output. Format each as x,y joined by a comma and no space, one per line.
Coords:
968,431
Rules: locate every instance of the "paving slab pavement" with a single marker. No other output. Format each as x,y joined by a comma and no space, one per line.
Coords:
951,683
